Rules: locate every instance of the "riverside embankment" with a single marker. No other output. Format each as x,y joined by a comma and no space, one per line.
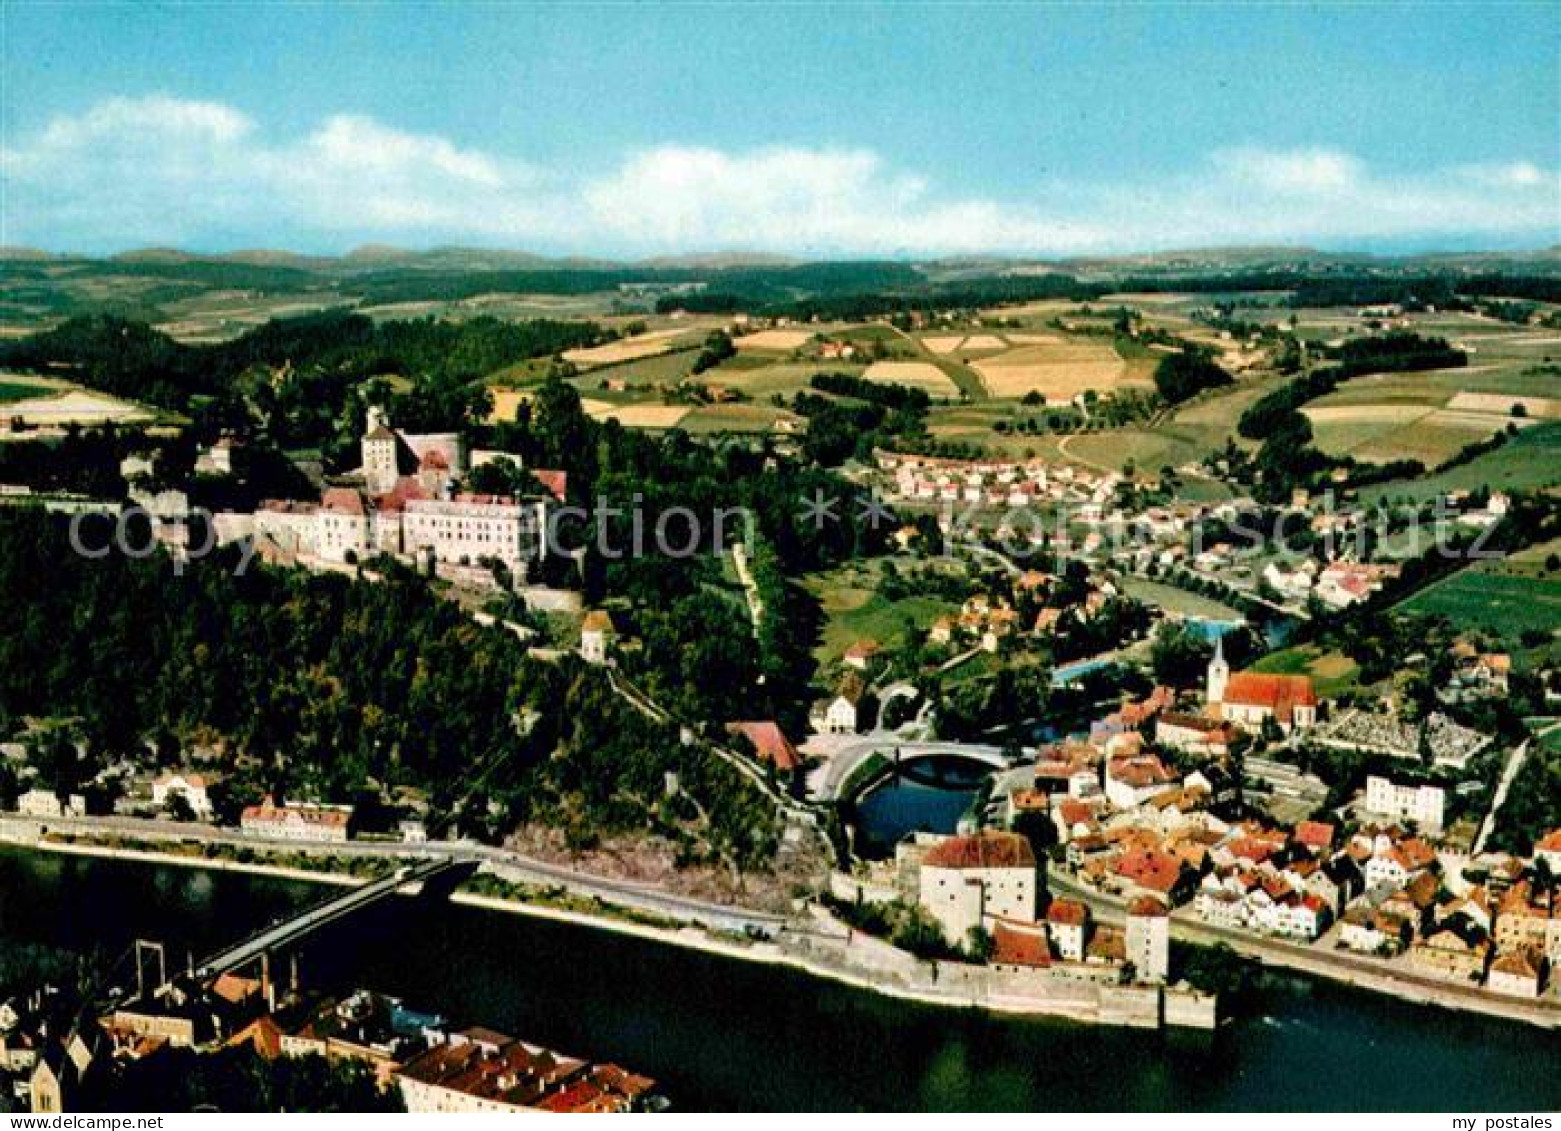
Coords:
721,1034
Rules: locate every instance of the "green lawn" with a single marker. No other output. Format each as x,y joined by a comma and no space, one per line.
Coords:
14,390
1175,600
854,611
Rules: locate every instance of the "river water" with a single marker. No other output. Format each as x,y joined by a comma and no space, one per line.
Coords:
927,795
724,1034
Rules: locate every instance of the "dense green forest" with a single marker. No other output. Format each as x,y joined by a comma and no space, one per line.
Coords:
297,374
325,687
699,655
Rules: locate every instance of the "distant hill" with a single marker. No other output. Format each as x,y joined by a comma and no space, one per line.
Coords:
720,261
25,254
383,257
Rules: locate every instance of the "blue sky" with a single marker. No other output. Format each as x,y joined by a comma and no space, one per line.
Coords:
813,129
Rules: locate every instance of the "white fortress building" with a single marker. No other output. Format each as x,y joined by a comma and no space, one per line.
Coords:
387,454
417,515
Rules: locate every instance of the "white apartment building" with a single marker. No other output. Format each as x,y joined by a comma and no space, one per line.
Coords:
1423,804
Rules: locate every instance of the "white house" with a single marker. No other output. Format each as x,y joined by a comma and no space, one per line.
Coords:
1549,850
1067,921
597,634
1149,939
1134,780
1515,973
297,822
191,787
840,714
39,803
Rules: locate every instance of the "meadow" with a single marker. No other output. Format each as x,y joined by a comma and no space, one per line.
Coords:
853,610
1486,597
1430,416
1531,460
1333,672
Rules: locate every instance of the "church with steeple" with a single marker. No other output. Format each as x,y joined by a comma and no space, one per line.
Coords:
1249,699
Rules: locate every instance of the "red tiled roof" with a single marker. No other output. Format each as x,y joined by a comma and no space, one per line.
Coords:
1314,834
1253,849
1517,963
1183,721
406,490
1158,871
342,500
1037,800
1075,811
1067,913
555,482
1139,771
1018,946
1550,842
769,742
194,781
1279,693
983,850
269,814
598,620
1147,906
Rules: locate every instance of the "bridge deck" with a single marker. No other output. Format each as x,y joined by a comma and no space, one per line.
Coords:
322,914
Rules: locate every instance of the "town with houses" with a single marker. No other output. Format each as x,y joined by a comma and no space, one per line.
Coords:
757,557
1183,811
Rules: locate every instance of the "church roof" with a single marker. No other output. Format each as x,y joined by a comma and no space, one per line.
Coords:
1279,693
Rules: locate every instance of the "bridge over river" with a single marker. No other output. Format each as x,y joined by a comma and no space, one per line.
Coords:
445,871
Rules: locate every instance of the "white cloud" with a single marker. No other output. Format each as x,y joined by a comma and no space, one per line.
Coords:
156,117
1517,174
161,169
1291,171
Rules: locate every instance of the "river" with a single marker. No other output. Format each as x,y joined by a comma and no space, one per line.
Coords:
926,795
724,1034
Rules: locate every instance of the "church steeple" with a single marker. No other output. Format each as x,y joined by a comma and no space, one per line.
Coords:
1219,673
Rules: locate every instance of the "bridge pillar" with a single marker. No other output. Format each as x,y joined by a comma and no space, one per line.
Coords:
267,990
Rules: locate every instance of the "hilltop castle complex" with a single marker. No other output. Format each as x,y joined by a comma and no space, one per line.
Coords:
405,501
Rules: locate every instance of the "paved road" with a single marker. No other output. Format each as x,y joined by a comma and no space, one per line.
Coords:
631,893
1379,975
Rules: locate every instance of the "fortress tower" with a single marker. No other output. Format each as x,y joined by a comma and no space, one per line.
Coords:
380,467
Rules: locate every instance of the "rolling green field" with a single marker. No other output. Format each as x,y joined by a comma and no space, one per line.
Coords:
1529,461
854,611
1430,416
1506,604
